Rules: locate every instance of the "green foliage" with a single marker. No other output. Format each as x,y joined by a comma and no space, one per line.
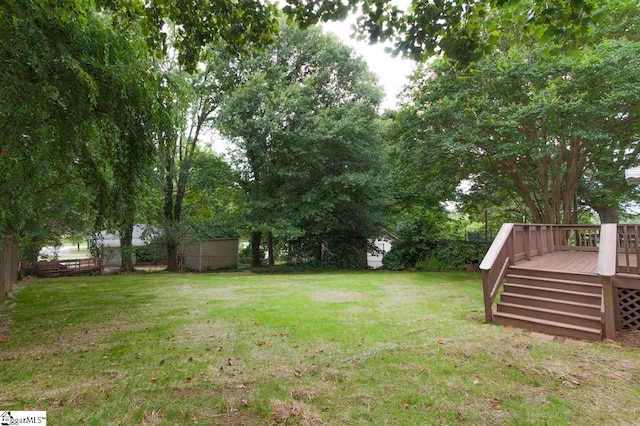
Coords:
414,240
525,123
153,251
304,125
77,97
462,31
453,256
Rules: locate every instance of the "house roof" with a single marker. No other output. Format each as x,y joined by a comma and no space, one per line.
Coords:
385,234
141,236
633,176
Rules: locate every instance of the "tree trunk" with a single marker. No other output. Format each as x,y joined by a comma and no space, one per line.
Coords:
608,214
126,249
270,248
172,256
255,249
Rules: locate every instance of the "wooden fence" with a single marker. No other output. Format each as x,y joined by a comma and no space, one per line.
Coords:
8,268
68,267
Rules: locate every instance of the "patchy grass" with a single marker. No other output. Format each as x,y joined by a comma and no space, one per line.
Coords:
334,348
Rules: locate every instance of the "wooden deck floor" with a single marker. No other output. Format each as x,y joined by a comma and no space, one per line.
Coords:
571,261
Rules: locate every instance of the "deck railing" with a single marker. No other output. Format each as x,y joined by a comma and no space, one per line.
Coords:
494,266
628,249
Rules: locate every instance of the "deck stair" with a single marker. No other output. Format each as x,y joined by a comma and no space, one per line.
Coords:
575,280
554,302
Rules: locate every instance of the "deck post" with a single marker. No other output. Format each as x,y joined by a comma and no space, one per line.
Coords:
486,288
549,239
526,235
607,262
539,240
608,307
512,247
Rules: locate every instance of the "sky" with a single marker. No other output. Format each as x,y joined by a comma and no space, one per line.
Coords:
393,73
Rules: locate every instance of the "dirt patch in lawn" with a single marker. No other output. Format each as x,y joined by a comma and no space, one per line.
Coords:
5,328
338,296
220,293
211,331
292,411
77,340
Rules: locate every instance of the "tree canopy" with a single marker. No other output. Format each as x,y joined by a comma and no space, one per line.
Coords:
304,123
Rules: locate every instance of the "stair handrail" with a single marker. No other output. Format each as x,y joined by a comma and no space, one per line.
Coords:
607,265
493,274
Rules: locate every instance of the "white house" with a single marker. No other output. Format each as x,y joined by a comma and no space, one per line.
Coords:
633,175
142,234
383,243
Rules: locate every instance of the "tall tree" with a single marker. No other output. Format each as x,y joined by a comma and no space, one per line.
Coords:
75,91
191,102
529,123
304,124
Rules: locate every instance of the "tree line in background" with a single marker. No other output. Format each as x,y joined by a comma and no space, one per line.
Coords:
107,110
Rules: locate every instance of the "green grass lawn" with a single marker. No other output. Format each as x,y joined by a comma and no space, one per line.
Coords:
323,348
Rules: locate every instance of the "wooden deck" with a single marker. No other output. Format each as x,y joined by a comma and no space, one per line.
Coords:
571,261
572,280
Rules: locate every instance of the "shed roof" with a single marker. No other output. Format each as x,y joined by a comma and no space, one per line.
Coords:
141,236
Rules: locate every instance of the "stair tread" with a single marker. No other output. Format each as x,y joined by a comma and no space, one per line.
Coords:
551,311
546,299
555,271
554,290
549,323
586,284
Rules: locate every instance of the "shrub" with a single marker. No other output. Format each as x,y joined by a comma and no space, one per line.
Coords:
454,255
415,240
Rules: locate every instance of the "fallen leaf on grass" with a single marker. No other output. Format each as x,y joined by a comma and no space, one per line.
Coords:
154,379
405,404
496,404
442,341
